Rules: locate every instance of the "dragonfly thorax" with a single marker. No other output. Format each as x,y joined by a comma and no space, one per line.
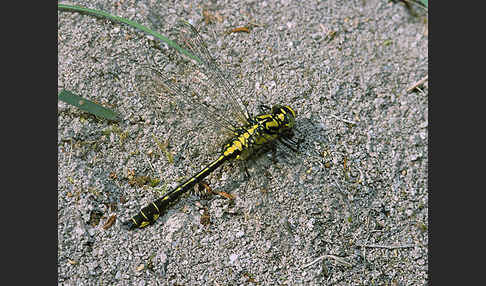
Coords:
261,129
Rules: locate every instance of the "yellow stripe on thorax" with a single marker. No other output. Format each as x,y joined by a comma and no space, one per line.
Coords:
241,142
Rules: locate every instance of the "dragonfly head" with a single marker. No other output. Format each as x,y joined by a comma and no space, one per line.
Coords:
286,115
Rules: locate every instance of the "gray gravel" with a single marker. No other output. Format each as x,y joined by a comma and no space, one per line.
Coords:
351,209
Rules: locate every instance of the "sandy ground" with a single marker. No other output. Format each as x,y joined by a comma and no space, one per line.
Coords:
351,208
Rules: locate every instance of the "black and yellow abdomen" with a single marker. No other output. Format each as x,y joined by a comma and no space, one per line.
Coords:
259,131
151,212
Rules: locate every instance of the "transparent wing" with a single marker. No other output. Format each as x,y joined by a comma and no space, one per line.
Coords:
203,82
176,87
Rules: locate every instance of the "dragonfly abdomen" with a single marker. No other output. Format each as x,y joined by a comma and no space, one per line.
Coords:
151,212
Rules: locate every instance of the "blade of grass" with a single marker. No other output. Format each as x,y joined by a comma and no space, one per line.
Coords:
87,105
100,13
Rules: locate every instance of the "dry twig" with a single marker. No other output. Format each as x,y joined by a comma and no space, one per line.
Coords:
418,83
339,260
386,246
343,120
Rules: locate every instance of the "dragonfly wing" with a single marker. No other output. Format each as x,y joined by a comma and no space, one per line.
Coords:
206,76
173,85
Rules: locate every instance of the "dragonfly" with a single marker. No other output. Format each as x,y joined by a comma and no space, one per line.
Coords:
249,133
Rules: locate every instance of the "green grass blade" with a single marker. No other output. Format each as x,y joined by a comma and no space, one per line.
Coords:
425,2
87,105
99,13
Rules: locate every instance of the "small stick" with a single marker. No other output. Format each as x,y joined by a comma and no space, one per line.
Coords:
385,246
418,83
338,259
344,120
150,164
240,29
314,262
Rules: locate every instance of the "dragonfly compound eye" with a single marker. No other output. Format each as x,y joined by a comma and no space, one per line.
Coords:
286,114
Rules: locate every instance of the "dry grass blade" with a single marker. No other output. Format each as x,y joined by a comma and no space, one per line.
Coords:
418,83
109,223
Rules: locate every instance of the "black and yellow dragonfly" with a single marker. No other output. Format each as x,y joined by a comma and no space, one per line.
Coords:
249,133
